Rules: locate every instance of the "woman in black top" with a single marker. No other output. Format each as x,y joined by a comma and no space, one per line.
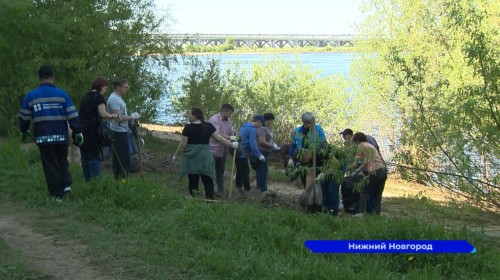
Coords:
91,107
197,160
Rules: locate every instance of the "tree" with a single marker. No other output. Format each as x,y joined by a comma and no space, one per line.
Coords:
204,86
81,39
274,86
288,90
437,73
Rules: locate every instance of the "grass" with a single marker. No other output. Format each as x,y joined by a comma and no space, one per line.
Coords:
148,229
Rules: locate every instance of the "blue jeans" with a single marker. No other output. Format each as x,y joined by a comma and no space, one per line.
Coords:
330,190
261,172
91,164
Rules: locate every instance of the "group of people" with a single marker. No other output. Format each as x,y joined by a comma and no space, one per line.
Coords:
257,144
309,150
51,110
205,145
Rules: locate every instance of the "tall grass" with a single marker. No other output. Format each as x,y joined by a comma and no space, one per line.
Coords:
150,230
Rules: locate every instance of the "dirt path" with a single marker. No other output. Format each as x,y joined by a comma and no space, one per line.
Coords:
57,258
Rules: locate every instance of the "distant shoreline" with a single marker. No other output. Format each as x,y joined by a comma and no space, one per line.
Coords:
277,51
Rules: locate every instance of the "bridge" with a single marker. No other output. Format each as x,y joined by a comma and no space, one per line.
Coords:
256,40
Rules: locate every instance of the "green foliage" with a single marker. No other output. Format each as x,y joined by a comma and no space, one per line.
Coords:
204,86
435,66
229,46
288,90
230,42
81,39
285,89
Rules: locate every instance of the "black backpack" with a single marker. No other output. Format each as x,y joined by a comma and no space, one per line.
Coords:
104,132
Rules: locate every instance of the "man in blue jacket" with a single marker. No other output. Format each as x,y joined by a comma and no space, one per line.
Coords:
248,142
51,109
302,137
306,140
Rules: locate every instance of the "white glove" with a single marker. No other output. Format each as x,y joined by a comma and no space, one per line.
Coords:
290,162
232,138
141,141
262,158
320,177
235,145
134,115
275,147
174,160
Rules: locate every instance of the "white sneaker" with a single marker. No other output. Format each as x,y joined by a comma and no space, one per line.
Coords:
359,215
67,189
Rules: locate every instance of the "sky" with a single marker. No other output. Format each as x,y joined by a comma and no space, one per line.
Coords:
263,16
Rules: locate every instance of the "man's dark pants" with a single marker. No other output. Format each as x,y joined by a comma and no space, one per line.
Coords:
375,187
56,168
220,166
121,155
242,173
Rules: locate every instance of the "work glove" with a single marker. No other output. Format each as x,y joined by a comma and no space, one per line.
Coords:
174,160
79,139
235,138
320,177
235,145
141,140
134,115
290,162
358,172
262,158
24,136
275,147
